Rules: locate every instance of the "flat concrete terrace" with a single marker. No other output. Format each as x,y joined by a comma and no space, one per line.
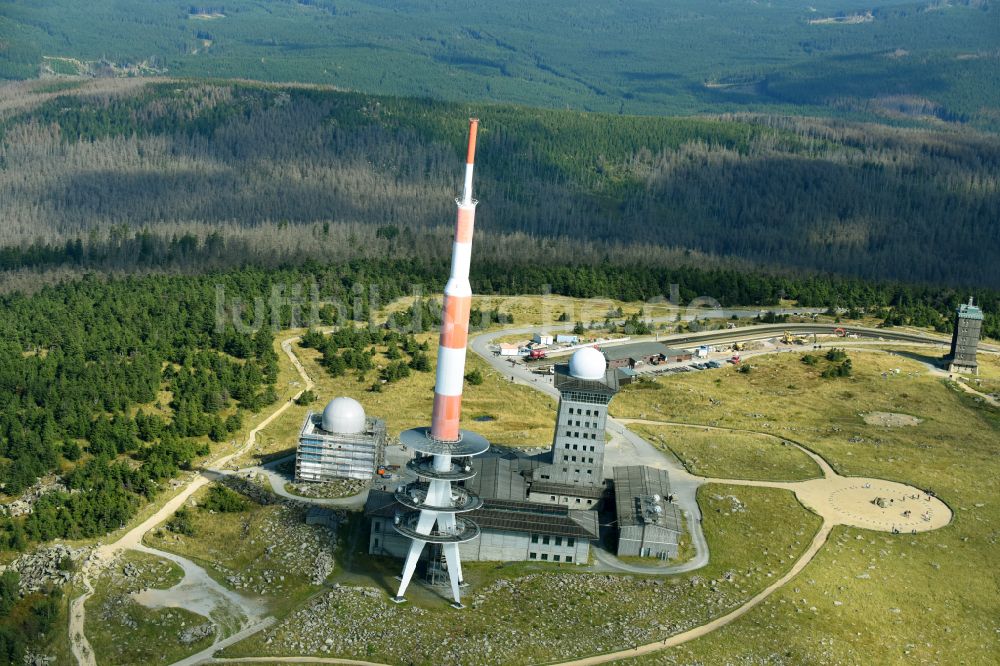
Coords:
874,504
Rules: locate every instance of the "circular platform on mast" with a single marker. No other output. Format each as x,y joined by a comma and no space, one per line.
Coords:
424,468
414,496
468,443
464,530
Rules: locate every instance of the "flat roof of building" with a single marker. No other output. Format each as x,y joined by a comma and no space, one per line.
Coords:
511,516
571,489
506,515
634,350
969,311
313,427
635,486
497,478
564,381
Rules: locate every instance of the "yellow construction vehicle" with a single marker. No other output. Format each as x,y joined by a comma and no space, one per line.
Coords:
789,339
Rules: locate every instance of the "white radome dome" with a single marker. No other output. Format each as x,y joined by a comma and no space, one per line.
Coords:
345,416
587,363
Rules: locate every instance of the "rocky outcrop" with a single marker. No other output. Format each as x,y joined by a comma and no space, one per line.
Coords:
46,566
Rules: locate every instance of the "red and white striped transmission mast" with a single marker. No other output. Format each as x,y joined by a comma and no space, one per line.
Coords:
444,450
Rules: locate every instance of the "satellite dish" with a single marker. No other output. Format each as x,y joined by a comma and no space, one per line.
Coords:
656,498
658,509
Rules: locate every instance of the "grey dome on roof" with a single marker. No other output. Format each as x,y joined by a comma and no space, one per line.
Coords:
345,416
587,363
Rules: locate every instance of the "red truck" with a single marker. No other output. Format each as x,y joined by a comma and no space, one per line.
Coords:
536,354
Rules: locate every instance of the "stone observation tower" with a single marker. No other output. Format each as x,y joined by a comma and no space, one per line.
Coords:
586,385
444,449
965,339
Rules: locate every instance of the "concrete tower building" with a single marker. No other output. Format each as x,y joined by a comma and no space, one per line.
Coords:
586,386
443,447
965,339
340,443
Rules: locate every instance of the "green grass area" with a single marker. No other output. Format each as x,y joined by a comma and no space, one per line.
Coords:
121,631
988,379
528,310
903,599
55,642
521,416
647,58
519,609
724,454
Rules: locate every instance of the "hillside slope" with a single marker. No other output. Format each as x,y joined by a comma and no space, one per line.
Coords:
288,167
895,59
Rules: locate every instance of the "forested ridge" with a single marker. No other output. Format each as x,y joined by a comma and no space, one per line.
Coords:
177,173
899,60
116,384
154,199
